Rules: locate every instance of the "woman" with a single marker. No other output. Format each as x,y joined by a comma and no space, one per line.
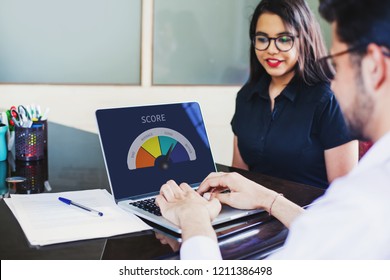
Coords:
287,122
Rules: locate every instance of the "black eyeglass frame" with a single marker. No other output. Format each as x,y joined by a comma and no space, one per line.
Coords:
349,50
274,39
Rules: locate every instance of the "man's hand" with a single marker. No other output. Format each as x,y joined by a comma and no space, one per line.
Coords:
244,193
184,207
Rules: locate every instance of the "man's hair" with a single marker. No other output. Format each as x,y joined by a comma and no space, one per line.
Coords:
359,22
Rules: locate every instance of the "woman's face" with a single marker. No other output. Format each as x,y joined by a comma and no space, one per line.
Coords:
278,64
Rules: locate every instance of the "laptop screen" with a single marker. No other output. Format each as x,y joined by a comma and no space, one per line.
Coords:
146,146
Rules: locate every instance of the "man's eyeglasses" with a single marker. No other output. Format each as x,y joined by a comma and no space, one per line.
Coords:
329,58
283,43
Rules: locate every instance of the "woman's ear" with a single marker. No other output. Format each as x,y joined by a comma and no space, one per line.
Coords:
374,67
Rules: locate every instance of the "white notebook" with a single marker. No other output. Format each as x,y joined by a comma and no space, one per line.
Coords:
46,220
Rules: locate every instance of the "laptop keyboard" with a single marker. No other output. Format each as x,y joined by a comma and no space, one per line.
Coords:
148,205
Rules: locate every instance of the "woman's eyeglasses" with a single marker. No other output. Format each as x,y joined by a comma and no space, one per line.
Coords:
283,43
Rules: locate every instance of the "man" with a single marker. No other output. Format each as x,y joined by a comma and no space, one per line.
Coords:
351,221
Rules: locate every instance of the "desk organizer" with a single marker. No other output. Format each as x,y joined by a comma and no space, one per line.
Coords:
30,142
35,172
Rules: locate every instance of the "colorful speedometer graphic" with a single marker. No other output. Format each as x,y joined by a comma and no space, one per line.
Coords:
159,147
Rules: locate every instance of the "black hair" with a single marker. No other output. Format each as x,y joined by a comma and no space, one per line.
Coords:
359,22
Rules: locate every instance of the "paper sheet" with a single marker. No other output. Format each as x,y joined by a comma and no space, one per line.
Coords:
46,220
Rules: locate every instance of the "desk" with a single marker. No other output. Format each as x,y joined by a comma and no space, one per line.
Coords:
75,162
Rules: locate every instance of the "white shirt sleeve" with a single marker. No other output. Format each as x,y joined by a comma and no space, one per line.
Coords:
200,248
349,222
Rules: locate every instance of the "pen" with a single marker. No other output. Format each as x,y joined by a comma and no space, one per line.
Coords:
70,202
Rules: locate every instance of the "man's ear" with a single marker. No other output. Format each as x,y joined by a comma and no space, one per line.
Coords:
374,67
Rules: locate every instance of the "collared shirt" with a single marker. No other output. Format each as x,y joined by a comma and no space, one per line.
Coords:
351,221
289,141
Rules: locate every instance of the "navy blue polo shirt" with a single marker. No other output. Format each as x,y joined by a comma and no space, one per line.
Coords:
289,142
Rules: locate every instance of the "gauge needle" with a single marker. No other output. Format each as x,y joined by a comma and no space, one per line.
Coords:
169,152
164,164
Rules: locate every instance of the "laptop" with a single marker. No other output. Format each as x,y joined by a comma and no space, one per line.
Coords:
145,146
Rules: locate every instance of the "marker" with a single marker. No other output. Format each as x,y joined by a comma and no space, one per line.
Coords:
70,202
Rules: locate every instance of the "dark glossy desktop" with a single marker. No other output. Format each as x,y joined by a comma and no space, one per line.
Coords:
75,162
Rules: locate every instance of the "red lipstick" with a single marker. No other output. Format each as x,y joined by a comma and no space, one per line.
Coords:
273,62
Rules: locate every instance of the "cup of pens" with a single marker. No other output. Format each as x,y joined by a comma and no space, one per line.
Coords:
30,132
30,141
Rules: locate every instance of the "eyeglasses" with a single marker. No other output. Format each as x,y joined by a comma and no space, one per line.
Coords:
329,58
283,43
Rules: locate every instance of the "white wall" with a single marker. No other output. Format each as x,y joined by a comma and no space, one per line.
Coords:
74,106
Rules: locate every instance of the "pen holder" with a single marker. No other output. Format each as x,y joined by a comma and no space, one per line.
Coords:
35,172
30,142
45,130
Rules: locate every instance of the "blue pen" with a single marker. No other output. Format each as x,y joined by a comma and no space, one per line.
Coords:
70,202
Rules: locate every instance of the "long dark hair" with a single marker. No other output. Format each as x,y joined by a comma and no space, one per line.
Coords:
299,19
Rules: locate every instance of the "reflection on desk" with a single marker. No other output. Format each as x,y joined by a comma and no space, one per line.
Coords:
75,162
248,238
